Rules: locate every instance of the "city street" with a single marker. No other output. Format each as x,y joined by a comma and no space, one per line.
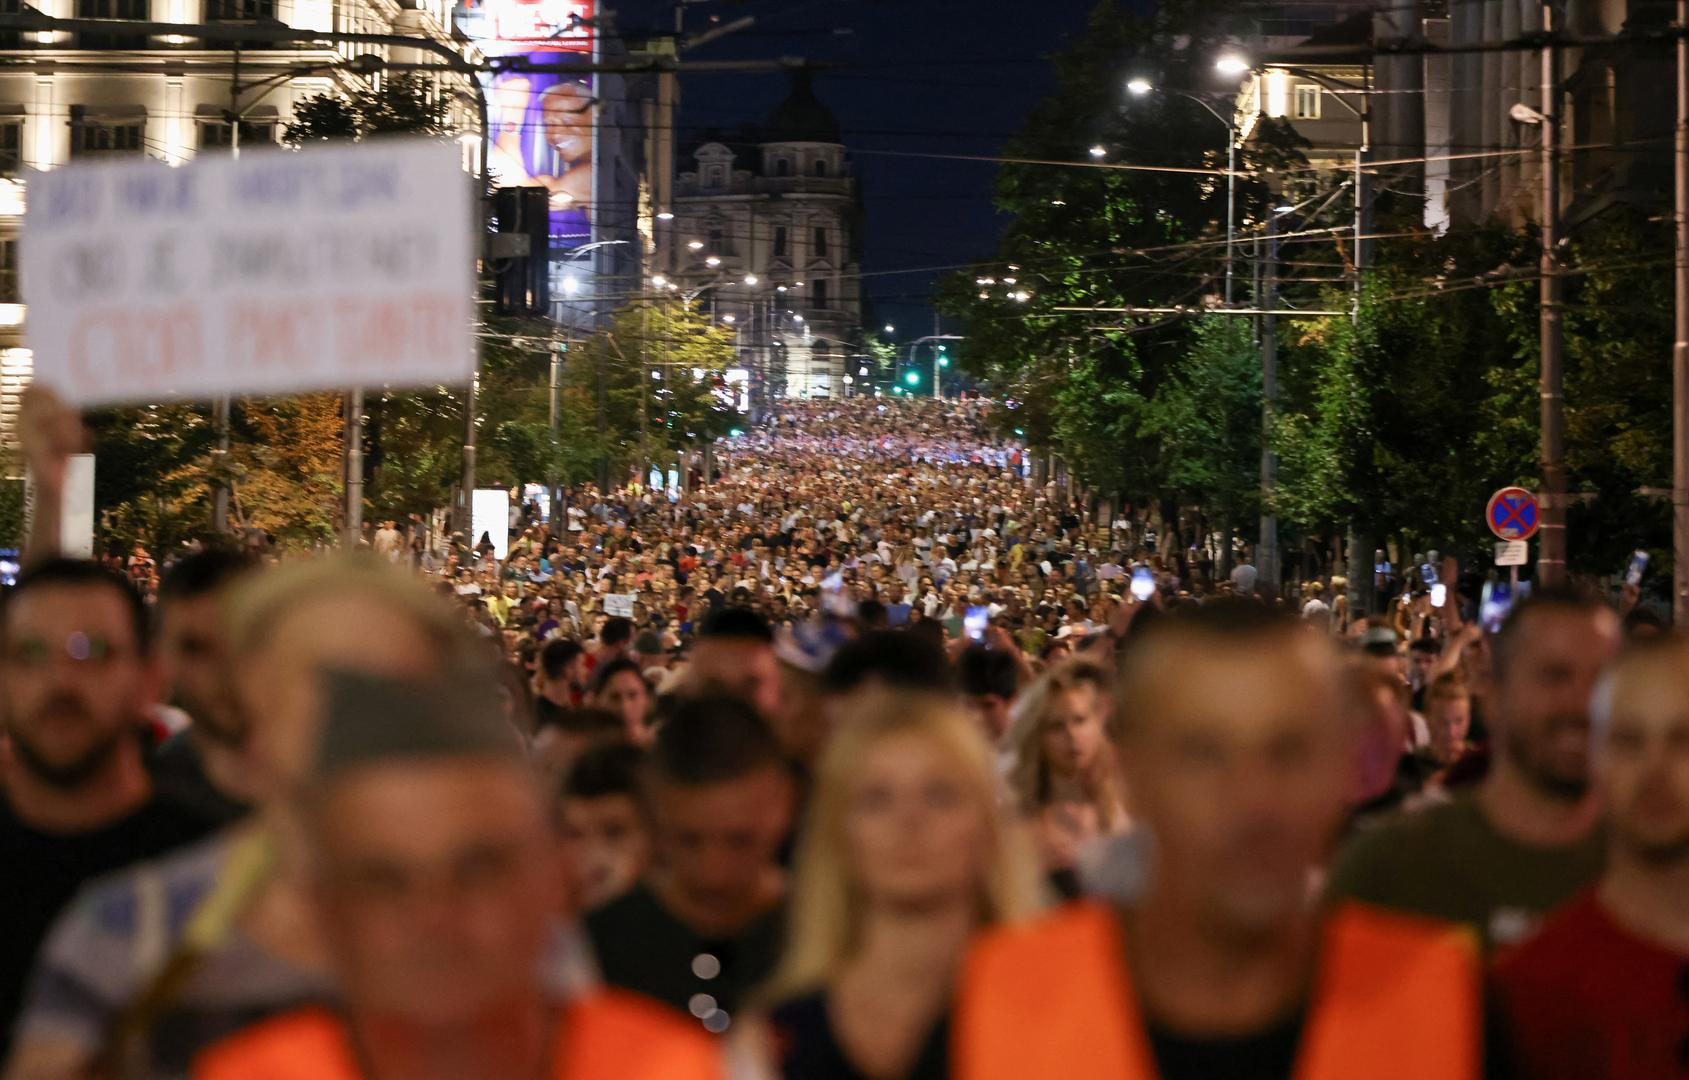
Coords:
828,540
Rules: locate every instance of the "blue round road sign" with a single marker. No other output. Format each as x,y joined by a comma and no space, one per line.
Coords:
1512,514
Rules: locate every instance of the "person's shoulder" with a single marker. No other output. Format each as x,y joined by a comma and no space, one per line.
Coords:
633,1025
307,1044
1386,851
1561,947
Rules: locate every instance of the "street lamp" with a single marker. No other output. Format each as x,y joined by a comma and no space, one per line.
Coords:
713,261
890,329
1139,86
751,279
1099,151
1233,65
694,245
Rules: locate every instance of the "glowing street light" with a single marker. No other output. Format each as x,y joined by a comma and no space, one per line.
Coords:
665,216
695,245
1139,86
890,329
751,279
713,261
1099,151
1232,64
659,281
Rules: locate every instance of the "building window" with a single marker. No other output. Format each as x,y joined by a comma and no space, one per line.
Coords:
11,146
783,167
214,134
97,138
820,241
780,240
1307,102
819,292
9,270
715,246
820,168
716,176
112,9
239,10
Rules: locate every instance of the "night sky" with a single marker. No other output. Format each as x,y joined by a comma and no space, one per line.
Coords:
931,76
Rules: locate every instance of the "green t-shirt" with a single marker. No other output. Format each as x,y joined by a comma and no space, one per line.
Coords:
1449,862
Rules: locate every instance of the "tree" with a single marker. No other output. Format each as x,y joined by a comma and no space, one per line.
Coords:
1208,418
664,367
402,104
1085,386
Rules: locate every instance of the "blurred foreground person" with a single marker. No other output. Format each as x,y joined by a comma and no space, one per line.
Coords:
151,965
705,924
200,766
1065,778
606,841
437,899
1526,839
1237,754
905,856
1601,992
76,682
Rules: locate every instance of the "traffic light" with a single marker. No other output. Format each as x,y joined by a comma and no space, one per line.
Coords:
913,378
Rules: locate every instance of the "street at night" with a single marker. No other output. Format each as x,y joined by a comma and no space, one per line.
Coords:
844,540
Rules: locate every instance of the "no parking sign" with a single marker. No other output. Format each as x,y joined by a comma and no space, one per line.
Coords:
1512,514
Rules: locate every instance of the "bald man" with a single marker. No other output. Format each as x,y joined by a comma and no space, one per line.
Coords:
1237,750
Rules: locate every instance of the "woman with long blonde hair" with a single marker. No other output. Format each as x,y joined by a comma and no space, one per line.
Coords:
1065,780
905,856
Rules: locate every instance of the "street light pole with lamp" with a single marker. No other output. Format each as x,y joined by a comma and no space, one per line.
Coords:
1227,65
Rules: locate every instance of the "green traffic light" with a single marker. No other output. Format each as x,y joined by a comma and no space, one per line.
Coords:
944,361
912,378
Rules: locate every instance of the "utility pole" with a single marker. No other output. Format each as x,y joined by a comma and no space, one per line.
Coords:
554,490
354,467
1680,347
1551,554
1266,550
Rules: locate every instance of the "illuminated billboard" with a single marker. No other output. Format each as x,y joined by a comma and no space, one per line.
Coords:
541,121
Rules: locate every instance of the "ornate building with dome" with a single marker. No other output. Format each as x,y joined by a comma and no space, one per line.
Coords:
766,237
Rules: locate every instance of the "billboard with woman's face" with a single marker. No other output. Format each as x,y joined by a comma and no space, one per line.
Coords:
540,122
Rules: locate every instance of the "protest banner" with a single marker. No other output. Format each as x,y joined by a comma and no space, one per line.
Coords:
275,273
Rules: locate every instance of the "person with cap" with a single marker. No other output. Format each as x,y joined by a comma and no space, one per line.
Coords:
434,886
1237,753
1525,840
1601,991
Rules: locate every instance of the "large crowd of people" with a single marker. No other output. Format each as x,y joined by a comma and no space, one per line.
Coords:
863,756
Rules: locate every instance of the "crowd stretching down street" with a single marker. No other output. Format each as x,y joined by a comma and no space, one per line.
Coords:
865,757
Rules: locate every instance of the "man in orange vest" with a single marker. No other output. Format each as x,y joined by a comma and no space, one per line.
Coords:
1237,749
438,887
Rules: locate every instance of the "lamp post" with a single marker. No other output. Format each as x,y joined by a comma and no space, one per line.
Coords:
1140,86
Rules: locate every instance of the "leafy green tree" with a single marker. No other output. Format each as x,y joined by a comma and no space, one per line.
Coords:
663,364
402,104
1085,384
1208,418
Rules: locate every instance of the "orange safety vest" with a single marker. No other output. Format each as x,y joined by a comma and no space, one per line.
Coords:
1395,998
606,1033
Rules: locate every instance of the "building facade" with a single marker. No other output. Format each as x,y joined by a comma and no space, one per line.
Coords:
766,237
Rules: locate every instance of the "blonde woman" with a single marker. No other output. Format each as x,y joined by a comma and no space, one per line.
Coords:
1064,778
905,856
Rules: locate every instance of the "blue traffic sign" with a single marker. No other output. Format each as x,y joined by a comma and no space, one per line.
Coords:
1512,514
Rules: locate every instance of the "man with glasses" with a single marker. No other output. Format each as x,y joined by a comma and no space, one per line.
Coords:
76,681
1602,991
